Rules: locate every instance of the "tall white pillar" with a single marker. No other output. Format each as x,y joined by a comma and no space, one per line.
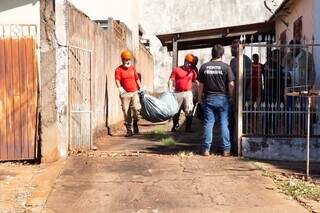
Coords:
62,76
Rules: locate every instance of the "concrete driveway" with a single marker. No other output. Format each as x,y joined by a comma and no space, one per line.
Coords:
112,181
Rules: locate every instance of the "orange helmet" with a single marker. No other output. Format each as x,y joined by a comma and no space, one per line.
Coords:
126,55
189,58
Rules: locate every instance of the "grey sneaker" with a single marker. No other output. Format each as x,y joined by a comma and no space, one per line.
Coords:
205,152
226,153
129,134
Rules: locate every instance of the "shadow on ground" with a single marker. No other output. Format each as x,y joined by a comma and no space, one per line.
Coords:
287,167
157,139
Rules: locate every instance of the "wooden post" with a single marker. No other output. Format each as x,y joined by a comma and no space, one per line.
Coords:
175,52
239,93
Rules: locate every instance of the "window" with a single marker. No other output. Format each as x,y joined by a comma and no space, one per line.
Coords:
297,29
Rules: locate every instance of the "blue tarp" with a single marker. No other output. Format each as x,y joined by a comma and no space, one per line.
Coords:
158,109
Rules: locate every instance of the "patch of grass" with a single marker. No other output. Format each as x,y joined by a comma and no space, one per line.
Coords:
258,166
185,154
168,141
269,174
158,130
157,134
299,188
293,187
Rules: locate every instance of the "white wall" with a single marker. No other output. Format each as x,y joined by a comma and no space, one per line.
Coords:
21,12
127,11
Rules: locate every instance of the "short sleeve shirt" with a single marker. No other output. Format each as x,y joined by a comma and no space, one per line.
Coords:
247,65
215,75
128,78
183,77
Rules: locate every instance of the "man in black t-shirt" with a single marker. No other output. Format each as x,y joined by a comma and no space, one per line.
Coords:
215,92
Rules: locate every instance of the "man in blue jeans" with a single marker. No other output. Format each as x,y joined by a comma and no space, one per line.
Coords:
215,93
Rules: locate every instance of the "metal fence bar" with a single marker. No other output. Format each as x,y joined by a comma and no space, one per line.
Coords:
240,99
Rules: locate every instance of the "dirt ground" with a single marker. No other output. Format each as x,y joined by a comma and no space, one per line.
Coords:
141,175
26,187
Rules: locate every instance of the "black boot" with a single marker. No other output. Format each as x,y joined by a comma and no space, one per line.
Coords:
129,131
135,127
175,125
188,124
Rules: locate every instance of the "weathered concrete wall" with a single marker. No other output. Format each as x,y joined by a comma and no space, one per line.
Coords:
117,43
61,14
145,67
286,149
60,28
106,46
91,37
48,122
157,16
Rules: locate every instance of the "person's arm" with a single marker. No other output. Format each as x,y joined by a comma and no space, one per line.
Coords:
194,76
200,92
200,83
118,84
136,76
171,83
139,84
231,86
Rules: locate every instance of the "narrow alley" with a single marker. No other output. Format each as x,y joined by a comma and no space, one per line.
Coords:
159,106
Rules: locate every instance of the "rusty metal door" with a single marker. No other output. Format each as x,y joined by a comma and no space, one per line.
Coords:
80,114
18,93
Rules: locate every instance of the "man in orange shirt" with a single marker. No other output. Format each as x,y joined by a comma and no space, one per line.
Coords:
256,79
181,79
128,83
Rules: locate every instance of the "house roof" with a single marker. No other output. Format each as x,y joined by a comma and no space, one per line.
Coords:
282,10
223,36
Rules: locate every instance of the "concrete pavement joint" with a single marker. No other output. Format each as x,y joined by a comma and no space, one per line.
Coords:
50,192
154,181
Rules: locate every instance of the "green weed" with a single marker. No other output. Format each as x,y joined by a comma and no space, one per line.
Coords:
185,154
299,188
168,141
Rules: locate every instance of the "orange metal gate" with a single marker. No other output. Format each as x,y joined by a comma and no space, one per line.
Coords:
18,98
